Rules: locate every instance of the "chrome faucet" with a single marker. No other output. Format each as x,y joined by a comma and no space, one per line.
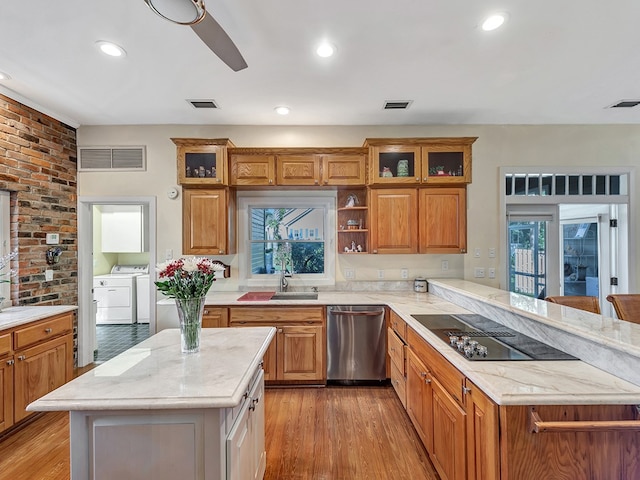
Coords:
284,284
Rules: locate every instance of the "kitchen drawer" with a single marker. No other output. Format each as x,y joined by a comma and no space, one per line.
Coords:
396,351
398,325
448,376
5,344
399,383
42,331
290,315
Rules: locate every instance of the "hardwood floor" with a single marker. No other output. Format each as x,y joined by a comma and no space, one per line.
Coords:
333,433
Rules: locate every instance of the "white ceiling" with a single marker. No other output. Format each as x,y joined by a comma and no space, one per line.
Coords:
553,62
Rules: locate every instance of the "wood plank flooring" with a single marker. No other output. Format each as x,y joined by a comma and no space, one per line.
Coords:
333,433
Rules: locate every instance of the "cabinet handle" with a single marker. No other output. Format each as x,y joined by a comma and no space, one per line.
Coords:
242,322
466,390
393,349
22,357
423,374
48,330
427,381
539,426
10,362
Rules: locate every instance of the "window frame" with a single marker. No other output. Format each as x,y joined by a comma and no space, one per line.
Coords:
295,199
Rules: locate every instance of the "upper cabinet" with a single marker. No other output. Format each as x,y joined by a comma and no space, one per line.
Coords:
297,167
208,221
435,161
202,162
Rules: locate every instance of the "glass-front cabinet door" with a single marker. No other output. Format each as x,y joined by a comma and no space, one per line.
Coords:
446,164
395,164
202,161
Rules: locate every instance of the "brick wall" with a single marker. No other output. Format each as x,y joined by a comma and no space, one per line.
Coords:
39,168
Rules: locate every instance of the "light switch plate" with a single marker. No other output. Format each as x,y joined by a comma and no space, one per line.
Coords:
53,238
404,273
478,272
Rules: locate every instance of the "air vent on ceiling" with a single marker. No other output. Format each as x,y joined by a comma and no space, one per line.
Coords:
93,159
397,104
625,104
203,103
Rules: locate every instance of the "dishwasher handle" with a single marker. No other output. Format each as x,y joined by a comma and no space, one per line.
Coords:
344,313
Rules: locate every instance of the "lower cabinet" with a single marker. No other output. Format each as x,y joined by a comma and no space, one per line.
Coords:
215,317
483,457
419,399
35,359
298,352
449,434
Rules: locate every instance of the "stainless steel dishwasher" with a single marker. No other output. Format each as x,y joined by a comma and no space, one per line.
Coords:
356,344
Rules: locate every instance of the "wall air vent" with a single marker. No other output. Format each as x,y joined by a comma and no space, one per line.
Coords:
95,159
625,104
397,104
203,103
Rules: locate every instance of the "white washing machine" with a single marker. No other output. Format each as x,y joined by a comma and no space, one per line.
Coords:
115,293
142,291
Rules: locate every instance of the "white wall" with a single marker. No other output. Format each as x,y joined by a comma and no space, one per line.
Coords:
571,145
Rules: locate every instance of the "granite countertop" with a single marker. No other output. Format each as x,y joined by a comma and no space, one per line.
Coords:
507,383
15,316
156,375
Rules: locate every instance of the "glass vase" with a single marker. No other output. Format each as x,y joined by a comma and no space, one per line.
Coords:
190,316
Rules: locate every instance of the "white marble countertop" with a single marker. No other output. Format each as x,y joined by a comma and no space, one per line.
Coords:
156,375
15,316
507,383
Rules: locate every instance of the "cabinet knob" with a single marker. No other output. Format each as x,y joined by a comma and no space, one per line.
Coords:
375,251
218,180
423,374
48,330
315,182
22,357
392,349
10,362
326,182
466,390
221,252
417,179
425,179
427,381
463,250
270,181
280,330
206,312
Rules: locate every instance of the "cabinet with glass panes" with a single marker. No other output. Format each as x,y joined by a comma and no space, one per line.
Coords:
201,161
434,161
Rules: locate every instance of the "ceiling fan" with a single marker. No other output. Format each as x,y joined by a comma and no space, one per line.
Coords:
194,14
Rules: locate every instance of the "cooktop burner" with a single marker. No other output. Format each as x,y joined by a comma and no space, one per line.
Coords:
478,338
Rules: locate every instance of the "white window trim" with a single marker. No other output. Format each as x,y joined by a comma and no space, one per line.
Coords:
262,199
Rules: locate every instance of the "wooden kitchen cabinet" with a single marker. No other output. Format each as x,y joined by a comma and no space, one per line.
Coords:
6,392
397,350
415,161
252,170
35,359
394,220
449,434
483,438
298,170
443,220
208,221
344,169
353,221
202,162
215,317
419,399
298,351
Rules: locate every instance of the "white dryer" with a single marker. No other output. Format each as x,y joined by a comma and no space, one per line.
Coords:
115,293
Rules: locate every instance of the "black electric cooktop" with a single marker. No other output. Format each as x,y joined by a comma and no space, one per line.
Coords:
478,338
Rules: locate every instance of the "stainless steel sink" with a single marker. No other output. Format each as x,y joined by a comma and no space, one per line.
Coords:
295,296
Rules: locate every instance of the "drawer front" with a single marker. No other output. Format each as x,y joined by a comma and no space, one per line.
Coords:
399,383
448,375
42,331
396,351
5,344
398,325
290,315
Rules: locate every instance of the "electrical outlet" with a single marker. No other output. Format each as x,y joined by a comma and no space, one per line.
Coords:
48,275
349,273
478,272
445,265
380,273
492,253
404,273
492,273
476,253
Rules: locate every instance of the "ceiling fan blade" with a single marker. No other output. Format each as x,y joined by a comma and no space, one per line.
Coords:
214,36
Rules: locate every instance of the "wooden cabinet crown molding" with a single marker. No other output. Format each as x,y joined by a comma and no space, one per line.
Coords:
203,141
419,141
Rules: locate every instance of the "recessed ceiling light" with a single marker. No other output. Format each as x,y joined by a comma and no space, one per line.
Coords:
494,21
282,110
325,50
111,49
4,76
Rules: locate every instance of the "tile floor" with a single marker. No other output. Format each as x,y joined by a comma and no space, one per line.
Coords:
115,339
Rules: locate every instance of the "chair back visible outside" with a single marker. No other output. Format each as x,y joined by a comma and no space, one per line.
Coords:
626,305
588,303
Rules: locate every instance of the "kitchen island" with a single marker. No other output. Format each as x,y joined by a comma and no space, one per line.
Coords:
153,412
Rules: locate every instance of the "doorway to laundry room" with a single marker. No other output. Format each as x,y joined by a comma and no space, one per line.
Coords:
116,258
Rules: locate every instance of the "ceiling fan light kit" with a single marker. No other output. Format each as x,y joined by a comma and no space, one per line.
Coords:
182,12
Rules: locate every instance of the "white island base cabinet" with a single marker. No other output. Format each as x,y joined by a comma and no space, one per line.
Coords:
184,444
